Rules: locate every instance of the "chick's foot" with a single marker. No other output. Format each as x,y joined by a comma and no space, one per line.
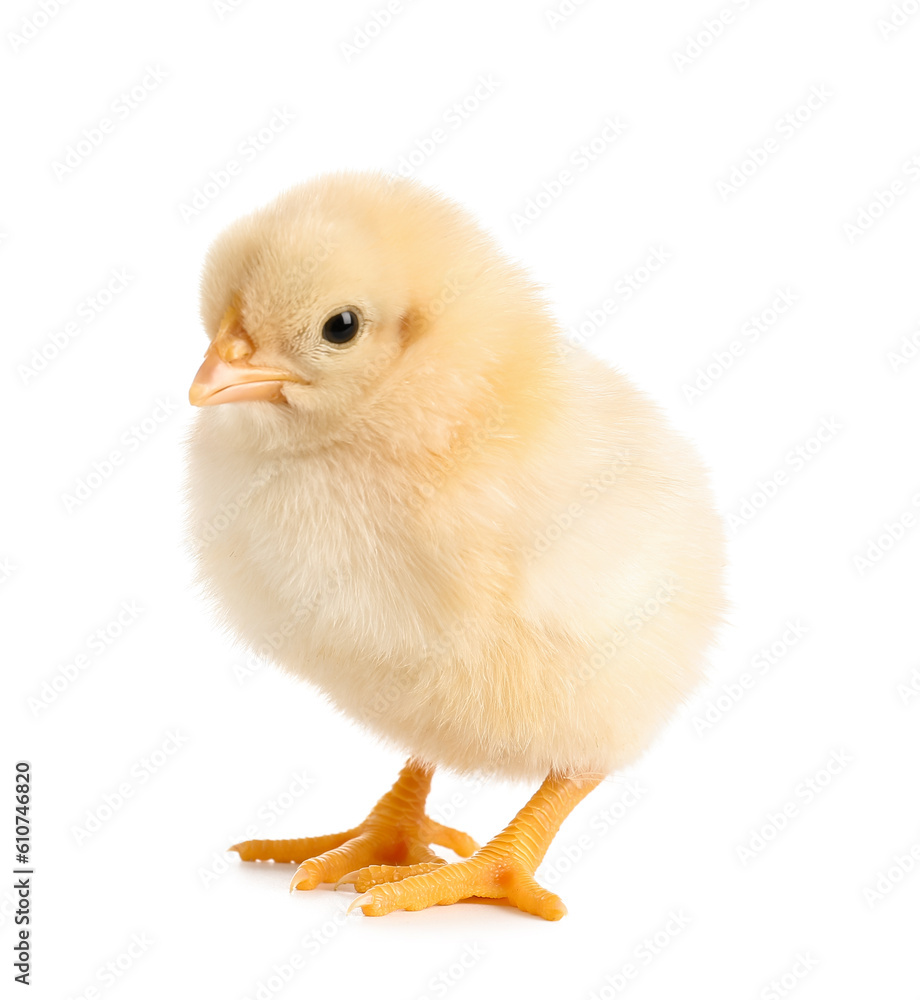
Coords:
393,841
503,869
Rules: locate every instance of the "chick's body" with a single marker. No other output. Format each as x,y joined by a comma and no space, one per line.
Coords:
477,540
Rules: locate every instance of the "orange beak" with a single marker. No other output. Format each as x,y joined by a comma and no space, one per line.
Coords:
226,376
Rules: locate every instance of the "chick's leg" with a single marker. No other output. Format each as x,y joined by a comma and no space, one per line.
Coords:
393,842
504,868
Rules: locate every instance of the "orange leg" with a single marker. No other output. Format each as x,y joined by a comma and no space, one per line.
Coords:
504,868
393,841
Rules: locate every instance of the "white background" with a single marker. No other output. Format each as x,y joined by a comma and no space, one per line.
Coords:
260,754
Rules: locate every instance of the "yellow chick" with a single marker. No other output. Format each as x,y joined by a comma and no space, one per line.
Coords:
475,538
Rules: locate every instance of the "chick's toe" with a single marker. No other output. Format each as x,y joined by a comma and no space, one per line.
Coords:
290,851
365,878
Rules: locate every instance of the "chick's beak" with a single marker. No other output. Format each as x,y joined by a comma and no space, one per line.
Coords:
226,376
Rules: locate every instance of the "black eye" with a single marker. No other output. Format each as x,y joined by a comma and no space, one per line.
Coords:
341,328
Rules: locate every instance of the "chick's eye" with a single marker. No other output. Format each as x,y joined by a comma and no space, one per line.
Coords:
341,328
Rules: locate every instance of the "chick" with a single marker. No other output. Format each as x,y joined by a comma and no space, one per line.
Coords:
474,537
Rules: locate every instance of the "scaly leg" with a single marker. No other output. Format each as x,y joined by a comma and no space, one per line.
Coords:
504,868
394,839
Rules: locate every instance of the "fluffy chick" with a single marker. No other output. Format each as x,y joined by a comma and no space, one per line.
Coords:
474,537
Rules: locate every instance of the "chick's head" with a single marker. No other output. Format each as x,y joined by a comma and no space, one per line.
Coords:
334,298
306,313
